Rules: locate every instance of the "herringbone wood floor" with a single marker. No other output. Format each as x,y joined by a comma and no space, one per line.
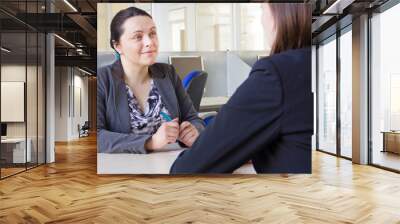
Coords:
70,191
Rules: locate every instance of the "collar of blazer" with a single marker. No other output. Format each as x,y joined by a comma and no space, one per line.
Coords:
164,86
118,71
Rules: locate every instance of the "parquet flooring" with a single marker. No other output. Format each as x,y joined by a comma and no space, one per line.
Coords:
70,191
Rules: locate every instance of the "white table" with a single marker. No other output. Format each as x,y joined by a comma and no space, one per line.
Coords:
152,163
212,103
18,151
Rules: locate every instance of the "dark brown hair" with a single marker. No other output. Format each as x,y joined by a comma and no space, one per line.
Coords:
119,19
293,26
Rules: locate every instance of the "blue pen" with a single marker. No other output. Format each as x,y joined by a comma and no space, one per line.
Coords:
165,116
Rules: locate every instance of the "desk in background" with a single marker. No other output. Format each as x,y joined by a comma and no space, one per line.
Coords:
13,150
153,163
212,103
391,141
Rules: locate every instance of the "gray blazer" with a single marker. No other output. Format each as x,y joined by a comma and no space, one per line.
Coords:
114,133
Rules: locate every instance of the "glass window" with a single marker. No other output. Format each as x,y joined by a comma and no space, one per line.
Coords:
346,94
385,88
250,26
22,93
327,96
214,27
177,21
14,153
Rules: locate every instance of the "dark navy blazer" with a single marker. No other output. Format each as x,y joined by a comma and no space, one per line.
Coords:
268,120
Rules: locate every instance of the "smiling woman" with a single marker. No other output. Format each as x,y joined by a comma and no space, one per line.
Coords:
134,91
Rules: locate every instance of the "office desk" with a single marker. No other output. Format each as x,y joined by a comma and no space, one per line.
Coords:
212,103
13,150
153,163
391,141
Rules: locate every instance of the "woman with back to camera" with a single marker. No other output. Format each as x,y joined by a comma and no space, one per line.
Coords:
136,97
269,119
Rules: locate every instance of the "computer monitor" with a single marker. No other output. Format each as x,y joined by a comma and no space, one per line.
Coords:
3,129
185,64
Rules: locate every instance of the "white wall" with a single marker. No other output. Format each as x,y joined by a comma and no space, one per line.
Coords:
61,103
17,73
32,105
68,81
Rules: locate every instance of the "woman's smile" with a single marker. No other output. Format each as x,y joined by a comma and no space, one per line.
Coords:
149,52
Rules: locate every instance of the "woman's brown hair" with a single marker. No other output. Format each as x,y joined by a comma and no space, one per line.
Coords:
117,22
293,26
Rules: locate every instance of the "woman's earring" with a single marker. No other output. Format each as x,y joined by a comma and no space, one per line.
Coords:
117,55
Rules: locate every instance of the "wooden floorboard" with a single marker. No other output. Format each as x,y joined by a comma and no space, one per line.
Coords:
70,191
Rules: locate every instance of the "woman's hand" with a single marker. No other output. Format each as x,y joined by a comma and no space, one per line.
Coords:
188,133
167,133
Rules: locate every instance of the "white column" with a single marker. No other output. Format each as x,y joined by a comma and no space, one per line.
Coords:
50,99
360,90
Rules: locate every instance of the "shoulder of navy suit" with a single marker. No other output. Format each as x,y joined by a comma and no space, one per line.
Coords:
286,59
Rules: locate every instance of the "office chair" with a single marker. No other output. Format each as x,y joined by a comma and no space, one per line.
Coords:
208,117
84,130
207,120
194,84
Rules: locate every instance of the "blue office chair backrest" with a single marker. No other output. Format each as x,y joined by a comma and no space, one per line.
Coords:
208,117
194,84
207,120
189,77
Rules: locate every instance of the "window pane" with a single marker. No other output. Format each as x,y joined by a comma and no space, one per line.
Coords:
13,85
250,26
177,21
176,15
385,89
214,26
327,97
346,94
